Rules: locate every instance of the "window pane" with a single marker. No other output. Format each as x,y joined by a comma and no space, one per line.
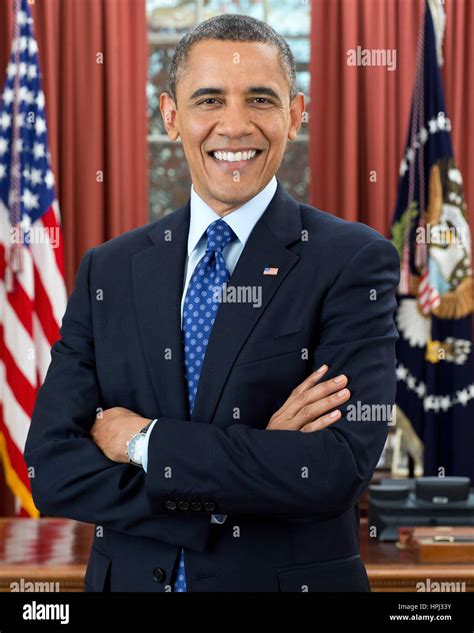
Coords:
294,170
158,68
171,17
169,178
289,17
300,47
302,82
254,8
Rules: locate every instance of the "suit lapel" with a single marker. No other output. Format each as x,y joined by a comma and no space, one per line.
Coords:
279,226
157,274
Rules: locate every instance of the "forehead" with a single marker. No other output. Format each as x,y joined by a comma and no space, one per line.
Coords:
236,63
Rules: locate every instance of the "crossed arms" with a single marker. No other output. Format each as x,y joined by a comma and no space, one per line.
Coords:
244,469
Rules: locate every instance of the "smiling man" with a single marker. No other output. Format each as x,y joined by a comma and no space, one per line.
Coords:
235,105
197,432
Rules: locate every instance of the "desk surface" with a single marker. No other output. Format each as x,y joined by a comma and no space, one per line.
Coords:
57,550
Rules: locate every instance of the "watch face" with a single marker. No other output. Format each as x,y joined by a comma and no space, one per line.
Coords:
135,448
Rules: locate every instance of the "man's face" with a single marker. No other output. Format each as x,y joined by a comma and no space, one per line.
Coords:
232,96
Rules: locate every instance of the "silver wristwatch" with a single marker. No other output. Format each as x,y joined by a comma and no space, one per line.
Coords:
135,446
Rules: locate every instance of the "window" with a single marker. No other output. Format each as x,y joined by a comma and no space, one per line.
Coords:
168,21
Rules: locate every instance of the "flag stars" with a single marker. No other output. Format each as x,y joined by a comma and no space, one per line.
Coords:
3,145
431,403
40,100
32,71
29,96
36,177
40,126
23,93
30,200
5,121
32,47
23,43
445,403
49,179
38,150
23,149
463,396
423,135
421,390
401,372
8,95
22,18
11,70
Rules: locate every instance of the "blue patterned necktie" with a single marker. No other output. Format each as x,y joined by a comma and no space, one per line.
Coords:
199,313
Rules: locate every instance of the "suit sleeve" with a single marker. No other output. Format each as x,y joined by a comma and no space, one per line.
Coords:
241,469
70,476
219,519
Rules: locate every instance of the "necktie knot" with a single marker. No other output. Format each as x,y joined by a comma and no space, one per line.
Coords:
219,234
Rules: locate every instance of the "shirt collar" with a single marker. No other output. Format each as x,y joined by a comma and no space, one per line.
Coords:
241,221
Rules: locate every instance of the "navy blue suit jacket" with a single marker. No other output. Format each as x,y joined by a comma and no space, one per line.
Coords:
291,497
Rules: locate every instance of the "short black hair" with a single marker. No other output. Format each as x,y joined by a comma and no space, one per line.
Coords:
232,27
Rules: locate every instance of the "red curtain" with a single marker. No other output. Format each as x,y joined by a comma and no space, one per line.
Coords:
94,58
359,115
96,117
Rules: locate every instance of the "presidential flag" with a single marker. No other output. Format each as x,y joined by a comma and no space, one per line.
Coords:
32,289
435,365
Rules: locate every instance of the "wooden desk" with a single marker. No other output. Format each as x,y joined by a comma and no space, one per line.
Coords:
44,550
56,551
392,569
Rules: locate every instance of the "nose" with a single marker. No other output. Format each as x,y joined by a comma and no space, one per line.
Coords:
235,120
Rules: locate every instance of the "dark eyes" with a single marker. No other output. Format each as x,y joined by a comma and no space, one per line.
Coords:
261,100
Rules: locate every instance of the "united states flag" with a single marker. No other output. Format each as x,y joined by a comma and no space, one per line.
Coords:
32,288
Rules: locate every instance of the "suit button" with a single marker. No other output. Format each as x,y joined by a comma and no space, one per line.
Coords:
209,506
159,574
196,505
183,505
170,505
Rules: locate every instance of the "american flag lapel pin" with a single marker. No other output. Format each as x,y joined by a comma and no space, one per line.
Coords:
268,270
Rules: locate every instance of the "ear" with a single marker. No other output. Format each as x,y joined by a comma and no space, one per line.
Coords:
169,113
297,109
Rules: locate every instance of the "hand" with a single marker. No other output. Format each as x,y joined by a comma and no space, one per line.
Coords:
309,405
113,428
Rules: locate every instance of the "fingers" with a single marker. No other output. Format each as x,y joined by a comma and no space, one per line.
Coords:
297,392
312,379
316,410
323,422
313,395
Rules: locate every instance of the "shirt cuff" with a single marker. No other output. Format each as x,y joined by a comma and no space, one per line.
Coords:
145,445
218,518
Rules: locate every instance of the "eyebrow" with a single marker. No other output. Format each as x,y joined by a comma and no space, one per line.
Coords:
261,90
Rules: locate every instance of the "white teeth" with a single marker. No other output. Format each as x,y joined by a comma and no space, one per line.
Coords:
232,157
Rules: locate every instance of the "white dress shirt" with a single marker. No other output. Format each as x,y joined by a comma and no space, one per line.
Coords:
242,222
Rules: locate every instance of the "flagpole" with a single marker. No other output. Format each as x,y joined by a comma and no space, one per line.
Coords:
15,258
